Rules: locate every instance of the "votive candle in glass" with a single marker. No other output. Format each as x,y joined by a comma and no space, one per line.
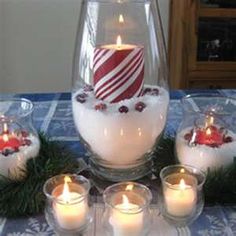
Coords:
127,210
68,206
181,198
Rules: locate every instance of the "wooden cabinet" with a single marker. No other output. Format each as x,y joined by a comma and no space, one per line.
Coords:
202,44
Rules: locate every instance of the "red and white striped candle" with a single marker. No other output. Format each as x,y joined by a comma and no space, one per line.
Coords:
118,71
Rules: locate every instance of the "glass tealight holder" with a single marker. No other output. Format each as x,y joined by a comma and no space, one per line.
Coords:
181,198
127,209
68,209
19,140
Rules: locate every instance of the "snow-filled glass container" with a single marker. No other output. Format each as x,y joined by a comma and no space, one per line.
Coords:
206,137
120,85
19,140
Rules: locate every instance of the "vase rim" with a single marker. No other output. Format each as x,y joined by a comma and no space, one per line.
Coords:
25,111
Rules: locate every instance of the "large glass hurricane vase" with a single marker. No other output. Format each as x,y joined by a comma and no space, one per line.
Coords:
120,91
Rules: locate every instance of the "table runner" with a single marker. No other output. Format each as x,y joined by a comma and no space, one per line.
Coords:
53,115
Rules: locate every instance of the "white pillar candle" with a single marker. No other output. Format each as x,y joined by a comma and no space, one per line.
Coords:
180,199
126,219
70,208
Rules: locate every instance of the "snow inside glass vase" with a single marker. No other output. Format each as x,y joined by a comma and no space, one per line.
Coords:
120,91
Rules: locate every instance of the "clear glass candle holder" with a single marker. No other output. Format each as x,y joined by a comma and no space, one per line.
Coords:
206,137
18,139
68,209
181,197
127,209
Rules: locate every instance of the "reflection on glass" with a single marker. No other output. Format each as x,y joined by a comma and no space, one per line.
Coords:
217,39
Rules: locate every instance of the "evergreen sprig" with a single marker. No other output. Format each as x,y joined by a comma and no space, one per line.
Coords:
25,197
220,185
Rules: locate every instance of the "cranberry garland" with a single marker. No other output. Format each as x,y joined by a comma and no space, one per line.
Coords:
140,106
211,136
11,143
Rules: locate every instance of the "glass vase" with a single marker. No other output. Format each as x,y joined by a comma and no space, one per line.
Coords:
120,91
18,138
206,137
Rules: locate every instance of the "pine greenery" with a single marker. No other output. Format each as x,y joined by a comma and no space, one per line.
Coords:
25,197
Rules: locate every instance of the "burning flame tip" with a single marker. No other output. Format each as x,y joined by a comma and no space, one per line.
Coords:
182,184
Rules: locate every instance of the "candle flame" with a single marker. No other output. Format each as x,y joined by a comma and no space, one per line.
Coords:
5,127
121,19
5,138
182,170
129,187
209,121
125,201
119,41
66,191
208,131
182,184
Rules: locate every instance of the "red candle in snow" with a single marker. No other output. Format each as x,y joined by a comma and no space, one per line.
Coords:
209,136
118,71
9,141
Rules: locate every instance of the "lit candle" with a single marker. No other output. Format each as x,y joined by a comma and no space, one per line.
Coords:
8,140
70,207
127,218
180,199
118,70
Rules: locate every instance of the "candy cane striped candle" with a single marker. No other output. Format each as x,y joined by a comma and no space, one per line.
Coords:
118,71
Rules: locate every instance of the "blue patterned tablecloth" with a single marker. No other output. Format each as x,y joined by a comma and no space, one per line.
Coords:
53,115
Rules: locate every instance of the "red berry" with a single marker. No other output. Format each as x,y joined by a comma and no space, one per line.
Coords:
188,136
100,107
146,90
24,133
155,92
123,109
140,106
26,142
81,97
228,139
7,151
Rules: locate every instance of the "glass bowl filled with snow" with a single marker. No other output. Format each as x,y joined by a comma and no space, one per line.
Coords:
18,139
120,92
206,137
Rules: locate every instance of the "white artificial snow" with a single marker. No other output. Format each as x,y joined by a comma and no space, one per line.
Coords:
203,156
121,138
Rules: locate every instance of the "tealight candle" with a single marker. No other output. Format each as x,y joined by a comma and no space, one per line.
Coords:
127,209
67,207
126,218
70,206
180,199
